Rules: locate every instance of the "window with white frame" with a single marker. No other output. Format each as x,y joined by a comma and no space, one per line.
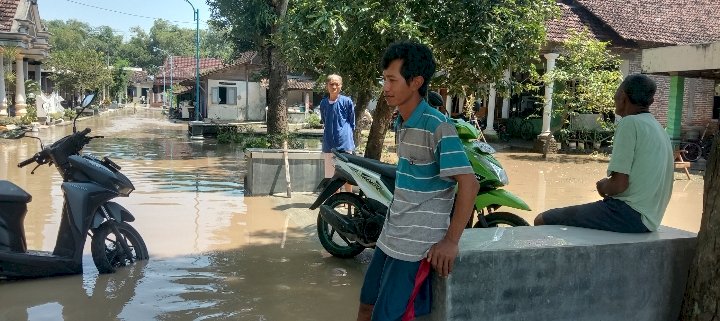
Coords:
224,95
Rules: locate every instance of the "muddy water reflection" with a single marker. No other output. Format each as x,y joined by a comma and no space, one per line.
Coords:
214,253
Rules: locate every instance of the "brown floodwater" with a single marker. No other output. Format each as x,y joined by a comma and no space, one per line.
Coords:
214,254
218,255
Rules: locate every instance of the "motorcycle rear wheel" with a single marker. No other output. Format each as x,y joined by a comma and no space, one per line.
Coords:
107,252
349,204
497,219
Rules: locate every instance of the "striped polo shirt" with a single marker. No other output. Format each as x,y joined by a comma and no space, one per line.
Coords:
429,152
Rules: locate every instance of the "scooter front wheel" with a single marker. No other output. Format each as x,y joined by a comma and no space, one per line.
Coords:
497,219
338,246
107,251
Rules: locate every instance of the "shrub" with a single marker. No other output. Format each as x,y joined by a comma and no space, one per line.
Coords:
313,121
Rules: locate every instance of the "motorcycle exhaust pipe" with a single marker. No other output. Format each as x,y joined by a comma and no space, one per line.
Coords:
340,222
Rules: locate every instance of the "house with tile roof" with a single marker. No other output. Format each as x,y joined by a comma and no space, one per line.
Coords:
233,92
634,26
22,30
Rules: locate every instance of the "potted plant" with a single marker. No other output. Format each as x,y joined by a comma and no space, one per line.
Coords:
562,137
572,140
596,138
582,137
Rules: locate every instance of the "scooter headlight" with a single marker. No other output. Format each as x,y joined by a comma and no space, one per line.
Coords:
497,170
500,173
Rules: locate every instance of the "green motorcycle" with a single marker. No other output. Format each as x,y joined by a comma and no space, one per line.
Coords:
348,223
491,177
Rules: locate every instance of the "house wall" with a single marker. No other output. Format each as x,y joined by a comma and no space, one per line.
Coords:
697,100
256,100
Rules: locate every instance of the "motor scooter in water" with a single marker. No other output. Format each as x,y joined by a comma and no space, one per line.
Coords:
88,186
348,223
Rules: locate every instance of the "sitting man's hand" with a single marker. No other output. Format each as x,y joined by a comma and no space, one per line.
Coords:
600,186
442,256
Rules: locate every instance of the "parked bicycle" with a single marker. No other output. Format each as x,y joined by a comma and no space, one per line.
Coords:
693,150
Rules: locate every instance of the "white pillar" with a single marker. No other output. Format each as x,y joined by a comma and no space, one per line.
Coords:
448,103
3,96
138,94
461,104
306,99
547,111
26,69
20,87
506,97
489,130
38,75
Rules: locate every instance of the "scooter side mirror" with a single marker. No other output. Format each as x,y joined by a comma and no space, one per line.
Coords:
85,103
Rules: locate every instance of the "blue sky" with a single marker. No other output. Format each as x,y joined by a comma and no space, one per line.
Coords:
177,11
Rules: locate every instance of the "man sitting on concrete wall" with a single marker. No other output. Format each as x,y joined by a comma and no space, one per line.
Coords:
640,180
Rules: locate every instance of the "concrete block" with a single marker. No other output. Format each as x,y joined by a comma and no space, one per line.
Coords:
563,273
266,171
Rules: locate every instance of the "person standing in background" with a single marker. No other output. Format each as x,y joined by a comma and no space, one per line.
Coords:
338,115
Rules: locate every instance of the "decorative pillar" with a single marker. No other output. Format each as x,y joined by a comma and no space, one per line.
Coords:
138,94
461,104
38,75
490,130
547,111
675,108
506,97
306,99
20,87
3,96
26,69
448,103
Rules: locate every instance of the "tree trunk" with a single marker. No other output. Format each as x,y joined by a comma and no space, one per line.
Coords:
378,129
702,295
360,107
277,118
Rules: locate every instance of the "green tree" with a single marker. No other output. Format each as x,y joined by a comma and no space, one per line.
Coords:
474,42
120,79
65,35
349,38
253,24
78,70
586,77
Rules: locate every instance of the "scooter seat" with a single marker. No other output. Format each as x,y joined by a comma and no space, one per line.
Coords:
379,167
12,193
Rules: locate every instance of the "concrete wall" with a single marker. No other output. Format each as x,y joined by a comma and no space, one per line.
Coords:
256,101
681,58
697,101
266,171
565,274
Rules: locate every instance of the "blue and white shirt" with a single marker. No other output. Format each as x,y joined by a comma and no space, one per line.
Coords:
339,121
429,153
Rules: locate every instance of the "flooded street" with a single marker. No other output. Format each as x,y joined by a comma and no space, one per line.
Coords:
217,255
214,254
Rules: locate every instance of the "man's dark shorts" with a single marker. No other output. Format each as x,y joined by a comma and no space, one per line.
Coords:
389,284
609,214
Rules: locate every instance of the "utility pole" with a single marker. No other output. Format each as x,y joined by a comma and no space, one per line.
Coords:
196,17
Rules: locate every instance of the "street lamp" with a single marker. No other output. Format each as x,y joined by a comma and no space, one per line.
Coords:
196,17
172,66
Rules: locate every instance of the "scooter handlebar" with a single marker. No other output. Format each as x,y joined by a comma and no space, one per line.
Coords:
26,162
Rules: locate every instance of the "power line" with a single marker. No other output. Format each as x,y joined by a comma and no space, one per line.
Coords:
126,13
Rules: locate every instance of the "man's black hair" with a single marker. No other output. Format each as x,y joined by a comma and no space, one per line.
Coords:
640,89
417,60
434,99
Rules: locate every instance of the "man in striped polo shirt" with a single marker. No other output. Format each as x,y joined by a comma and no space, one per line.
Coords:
419,231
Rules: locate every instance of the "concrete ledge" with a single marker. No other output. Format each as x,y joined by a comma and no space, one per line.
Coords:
266,171
563,273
